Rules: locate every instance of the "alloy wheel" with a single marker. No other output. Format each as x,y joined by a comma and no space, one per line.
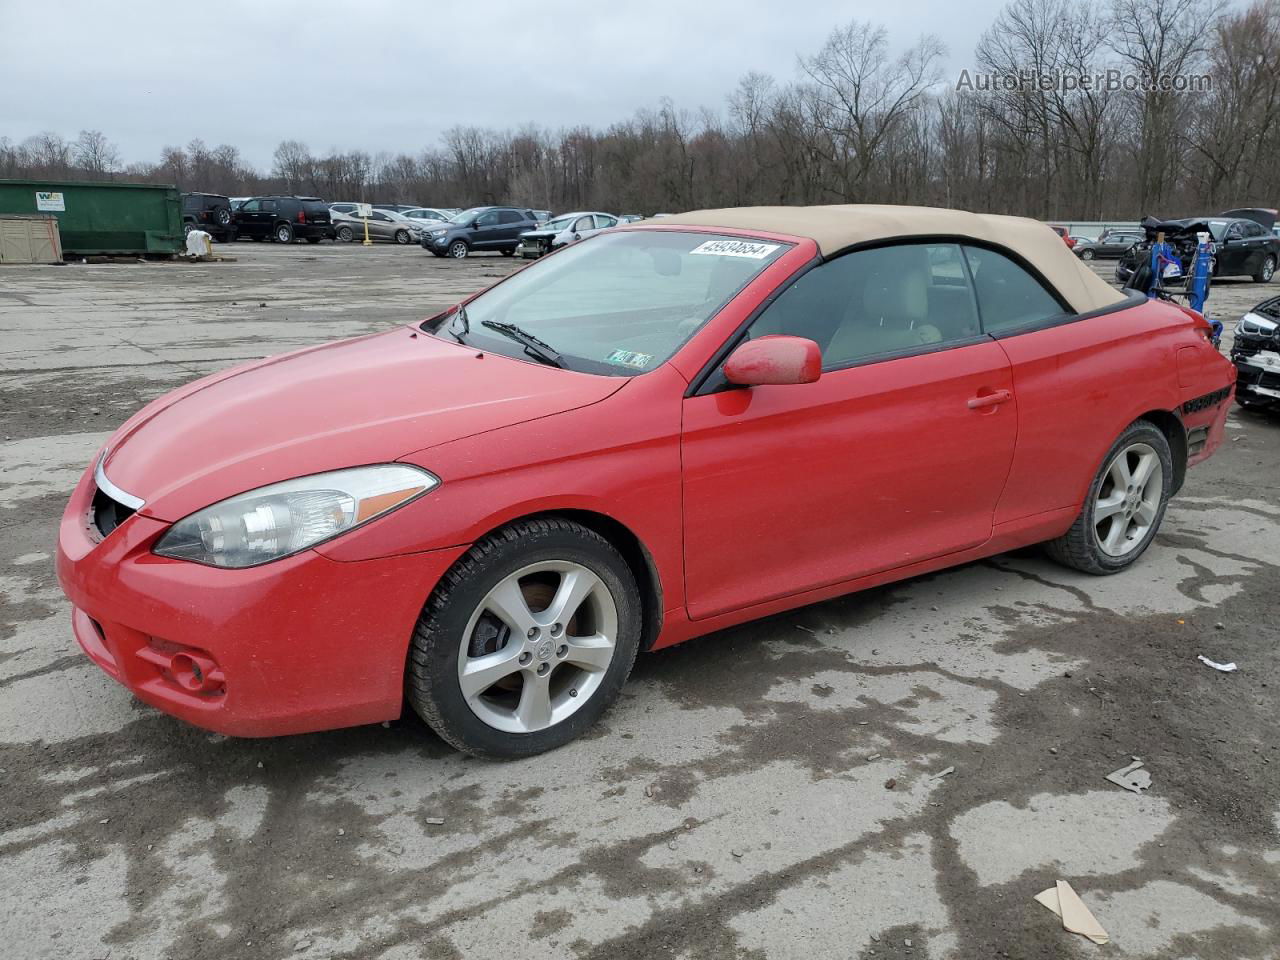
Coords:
1128,500
1268,269
537,646
458,250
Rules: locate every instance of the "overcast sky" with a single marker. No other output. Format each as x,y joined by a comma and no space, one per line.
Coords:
385,75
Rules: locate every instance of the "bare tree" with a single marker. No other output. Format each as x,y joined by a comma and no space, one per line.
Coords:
293,165
1160,39
863,93
1235,133
95,154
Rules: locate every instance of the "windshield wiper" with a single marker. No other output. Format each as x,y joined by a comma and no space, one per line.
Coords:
459,314
538,349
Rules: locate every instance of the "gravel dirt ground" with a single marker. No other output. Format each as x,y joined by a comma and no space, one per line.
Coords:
773,791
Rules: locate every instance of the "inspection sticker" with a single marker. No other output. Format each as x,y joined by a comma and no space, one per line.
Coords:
736,248
629,359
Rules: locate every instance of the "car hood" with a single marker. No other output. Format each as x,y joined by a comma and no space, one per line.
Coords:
541,234
370,400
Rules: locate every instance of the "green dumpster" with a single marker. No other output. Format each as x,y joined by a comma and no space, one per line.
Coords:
142,219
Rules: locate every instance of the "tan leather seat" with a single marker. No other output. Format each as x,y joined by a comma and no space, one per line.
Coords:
894,310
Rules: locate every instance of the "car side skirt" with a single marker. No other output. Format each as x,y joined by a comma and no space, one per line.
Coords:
1006,536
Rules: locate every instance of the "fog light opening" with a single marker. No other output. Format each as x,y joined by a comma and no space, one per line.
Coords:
195,673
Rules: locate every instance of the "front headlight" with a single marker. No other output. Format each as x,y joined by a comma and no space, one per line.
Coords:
1255,325
285,518
438,233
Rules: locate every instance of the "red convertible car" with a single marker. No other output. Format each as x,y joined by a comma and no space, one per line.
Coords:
664,430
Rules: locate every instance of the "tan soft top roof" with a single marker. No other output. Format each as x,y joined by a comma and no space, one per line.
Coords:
836,227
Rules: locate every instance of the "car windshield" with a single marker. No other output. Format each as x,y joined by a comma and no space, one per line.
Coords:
617,304
466,216
1218,227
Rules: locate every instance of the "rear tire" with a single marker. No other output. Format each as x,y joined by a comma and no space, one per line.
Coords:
1267,272
534,695
508,252
1124,508
1087,255
344,234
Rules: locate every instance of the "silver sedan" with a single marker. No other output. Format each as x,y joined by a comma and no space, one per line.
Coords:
383,225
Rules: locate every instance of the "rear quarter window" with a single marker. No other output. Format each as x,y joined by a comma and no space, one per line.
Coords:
1010,298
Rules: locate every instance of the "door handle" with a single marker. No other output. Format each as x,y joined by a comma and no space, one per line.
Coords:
992,399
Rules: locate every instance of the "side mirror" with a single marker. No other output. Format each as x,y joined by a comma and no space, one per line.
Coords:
774,360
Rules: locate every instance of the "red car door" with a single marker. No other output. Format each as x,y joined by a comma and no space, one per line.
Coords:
897,454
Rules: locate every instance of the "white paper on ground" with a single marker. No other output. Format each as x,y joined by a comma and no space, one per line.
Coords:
1133,778
1075,916
1224,667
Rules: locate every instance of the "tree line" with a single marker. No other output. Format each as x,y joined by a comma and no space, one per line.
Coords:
861,121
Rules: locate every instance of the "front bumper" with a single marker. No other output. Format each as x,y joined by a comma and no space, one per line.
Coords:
302,644
1257,382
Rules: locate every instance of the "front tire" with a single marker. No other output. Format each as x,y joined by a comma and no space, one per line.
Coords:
526,641
458,249
402,237
1087,254
1267,272
344,234
1124,507
283,233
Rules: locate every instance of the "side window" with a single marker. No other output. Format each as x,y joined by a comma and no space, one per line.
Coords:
1008,296
487,219
379,215
1234,232
268,206
879,301
1252,229
251,206
509,216
603,222
584,223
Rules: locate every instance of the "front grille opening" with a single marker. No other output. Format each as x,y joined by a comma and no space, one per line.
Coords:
107,513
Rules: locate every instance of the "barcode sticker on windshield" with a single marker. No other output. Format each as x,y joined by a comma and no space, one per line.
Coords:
735,248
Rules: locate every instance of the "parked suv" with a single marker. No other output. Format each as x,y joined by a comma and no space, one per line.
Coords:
480,228
284,219
210,212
